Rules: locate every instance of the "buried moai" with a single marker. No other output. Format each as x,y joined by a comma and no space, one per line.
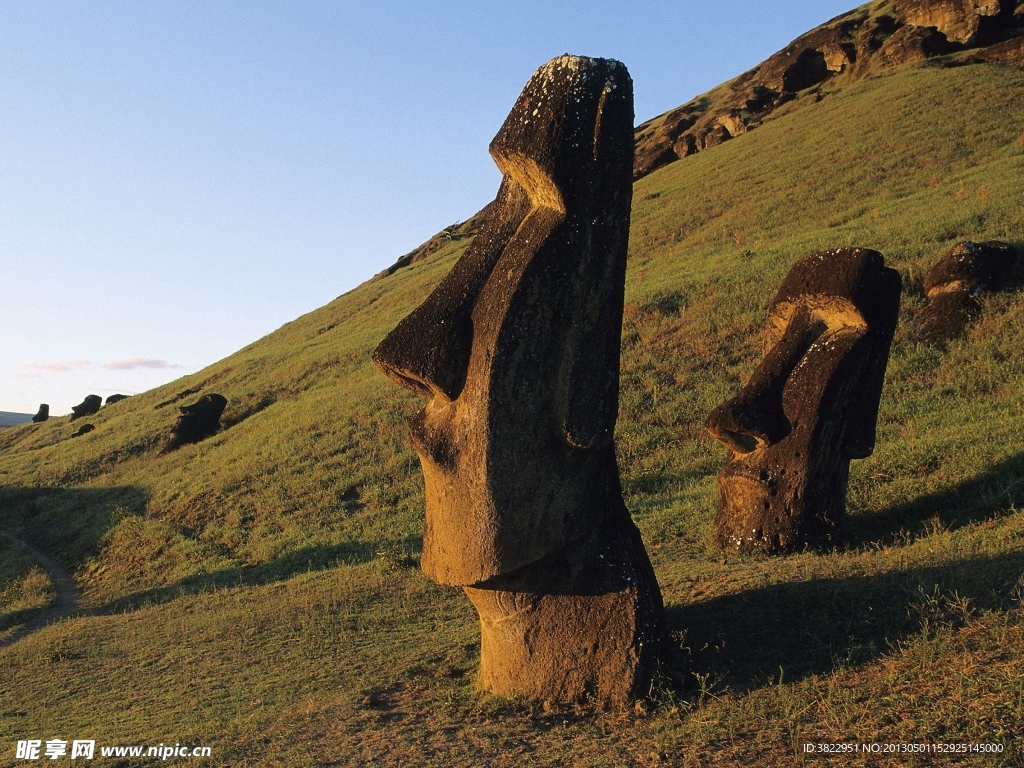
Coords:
87,407
198,421
954,283
42,414
517,353
809,407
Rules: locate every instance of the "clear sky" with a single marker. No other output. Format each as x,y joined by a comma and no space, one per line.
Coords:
178,179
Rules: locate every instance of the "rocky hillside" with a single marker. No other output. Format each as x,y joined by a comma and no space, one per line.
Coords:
879,36
875,37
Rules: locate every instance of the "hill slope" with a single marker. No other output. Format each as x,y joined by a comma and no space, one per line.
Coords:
254,592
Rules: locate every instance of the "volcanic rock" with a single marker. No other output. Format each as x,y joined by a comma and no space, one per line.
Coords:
954,284
199,420
809,407
517,353
87,407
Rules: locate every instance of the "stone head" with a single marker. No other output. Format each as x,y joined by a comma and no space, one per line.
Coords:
810,406
198,420
517,349
954,284
87,407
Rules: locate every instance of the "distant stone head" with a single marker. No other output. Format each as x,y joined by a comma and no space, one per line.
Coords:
198,421
87,407
955,284
809,407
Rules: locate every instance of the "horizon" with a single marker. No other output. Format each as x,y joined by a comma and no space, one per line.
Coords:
181,181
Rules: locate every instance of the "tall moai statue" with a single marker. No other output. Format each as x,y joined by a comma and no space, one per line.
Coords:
42,414
809,407
517,353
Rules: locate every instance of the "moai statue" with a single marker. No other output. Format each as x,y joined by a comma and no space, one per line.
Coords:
85,429
517,353
809,407
42,414
87,407
198,421
953,284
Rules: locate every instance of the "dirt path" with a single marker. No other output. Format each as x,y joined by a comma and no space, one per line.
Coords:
69,597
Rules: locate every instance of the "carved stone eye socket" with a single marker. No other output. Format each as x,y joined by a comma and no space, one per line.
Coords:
828,314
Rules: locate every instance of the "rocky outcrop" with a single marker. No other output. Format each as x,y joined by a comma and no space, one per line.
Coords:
84,430
87,407
954,284
873,38
517,354
42,414
909,44
967,22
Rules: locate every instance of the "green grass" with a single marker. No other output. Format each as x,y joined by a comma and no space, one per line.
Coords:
254,592
24,588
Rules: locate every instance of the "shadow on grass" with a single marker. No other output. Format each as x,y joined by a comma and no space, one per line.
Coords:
998,487
798,629
393,555
68,523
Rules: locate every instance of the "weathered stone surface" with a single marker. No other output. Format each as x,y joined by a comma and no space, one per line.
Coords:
87,407
961,21
84,430
794,68
660,148
42,414
718,134
517,353
115,399
809,407
1009,52
910,43
954,283
198,421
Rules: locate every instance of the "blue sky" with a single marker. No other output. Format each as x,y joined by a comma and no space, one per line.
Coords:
178,179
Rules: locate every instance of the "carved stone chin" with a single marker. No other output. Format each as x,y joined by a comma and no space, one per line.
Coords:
809,407
517,353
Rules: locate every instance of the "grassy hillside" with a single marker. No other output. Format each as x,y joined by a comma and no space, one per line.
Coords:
257,592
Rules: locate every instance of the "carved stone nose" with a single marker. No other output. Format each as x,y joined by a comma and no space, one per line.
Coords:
755,418
428,352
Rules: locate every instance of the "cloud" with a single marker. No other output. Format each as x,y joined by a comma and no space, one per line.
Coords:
59,365
131,363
